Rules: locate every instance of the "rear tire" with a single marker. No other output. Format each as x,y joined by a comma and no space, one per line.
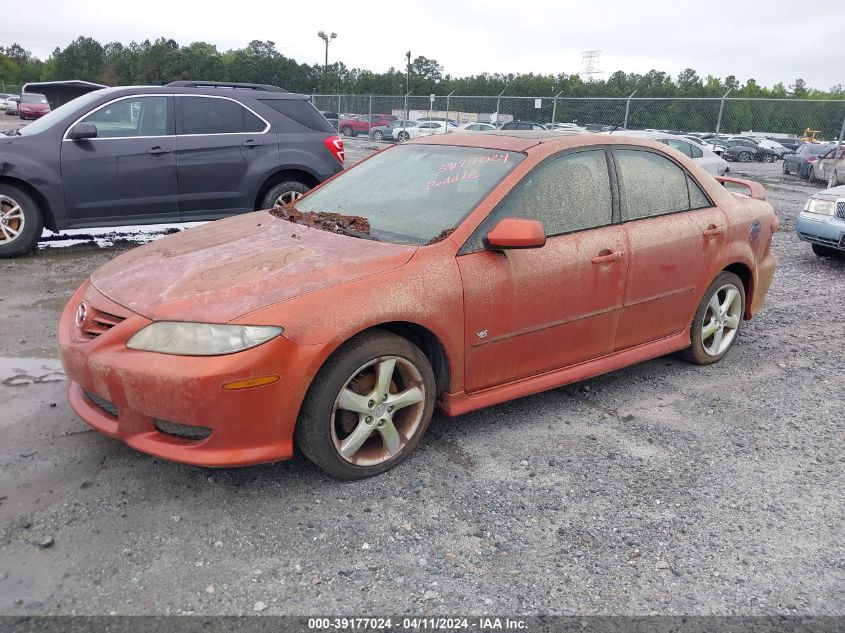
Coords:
378,135
346,130
717,321
785,168
354,425
283,192
21,222
744,157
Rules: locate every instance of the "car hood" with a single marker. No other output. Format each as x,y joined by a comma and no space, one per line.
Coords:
831,194
223,270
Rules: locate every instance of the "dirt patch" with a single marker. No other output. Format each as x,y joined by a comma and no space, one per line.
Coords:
334,222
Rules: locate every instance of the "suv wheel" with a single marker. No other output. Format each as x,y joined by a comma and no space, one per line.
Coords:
347,130
403,136
744,157
20,222
378,135
283,193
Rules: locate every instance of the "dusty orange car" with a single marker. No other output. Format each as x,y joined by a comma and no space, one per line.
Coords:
454,272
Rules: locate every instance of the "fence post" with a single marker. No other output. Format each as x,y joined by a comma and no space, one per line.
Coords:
498,100
448,96
407,111
371,107
831,181
721,109
627,107
554,107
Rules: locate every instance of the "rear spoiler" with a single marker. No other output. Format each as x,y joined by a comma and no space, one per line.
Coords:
755,189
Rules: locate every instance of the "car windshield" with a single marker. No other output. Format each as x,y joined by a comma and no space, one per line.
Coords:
31,97
413,194
59,113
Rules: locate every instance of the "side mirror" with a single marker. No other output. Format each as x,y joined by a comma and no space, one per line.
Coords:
517,233
82,131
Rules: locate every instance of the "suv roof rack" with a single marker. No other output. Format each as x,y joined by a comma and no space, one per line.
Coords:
225,84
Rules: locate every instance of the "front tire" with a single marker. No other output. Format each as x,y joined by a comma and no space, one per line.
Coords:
283,193
403,136
378,135
717,321
769,158
785,168
824,251
368,407
21,222
744,157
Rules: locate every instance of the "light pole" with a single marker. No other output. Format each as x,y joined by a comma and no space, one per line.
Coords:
326,39
407,81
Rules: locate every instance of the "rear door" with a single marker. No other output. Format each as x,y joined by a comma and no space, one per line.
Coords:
674,236
218,141
128,172
534,310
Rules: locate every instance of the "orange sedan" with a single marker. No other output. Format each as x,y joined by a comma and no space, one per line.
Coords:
455,272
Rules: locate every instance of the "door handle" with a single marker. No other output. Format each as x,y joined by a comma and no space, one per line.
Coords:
609,258
713,230
158,149
250,144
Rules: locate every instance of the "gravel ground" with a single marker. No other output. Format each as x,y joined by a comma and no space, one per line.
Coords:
663,488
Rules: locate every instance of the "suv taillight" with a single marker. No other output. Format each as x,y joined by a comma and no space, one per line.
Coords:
335,145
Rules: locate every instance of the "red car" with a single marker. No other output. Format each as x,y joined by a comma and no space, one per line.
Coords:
33,105
485,267
363,124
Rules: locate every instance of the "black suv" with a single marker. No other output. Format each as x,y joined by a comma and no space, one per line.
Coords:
187,151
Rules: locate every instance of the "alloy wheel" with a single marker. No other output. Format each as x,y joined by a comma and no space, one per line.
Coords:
721,320
378,410
12,219
287,197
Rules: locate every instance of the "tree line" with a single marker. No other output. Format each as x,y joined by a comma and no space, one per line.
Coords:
164,60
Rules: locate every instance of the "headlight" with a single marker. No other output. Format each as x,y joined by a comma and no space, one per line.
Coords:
200,339
822,207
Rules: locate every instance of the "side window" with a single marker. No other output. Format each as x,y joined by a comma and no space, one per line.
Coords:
695,151
652,185
681,146
569,193
204,115
252,123
137,116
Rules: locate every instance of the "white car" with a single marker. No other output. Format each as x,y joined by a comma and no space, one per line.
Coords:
774,145
706,159
716,149
424,128
476,127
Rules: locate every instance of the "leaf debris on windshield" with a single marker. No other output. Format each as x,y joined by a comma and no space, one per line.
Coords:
334,222
442,236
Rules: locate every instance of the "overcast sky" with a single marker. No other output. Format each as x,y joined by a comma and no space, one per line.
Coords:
768,40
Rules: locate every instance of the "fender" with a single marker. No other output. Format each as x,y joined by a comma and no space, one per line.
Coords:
41,176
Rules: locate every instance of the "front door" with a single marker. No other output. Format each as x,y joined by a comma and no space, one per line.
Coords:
128,172
674,236
218,141
535,310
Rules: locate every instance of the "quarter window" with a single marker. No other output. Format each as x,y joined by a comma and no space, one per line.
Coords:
137,116
204,115
566,194
652,185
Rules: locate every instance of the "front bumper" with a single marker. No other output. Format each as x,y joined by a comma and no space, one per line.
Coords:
140,397
825,230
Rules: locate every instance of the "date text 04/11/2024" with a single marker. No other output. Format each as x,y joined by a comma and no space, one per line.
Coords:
428,623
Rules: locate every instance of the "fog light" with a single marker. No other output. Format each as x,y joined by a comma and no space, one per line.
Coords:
249,383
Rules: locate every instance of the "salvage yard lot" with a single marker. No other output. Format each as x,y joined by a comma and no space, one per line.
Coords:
661,488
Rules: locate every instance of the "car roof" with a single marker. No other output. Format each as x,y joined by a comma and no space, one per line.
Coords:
512,140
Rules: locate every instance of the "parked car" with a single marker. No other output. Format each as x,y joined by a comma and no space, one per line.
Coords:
12,105
4,100
522,125
698,141
564,126
774,146
424,128
801,162
388,132
788,143
150,154
207,349
822,222
744,149
364,123
823,168
476,127
332,118
703,157
32,106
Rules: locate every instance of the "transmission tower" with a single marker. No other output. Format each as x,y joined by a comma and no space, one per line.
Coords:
591,60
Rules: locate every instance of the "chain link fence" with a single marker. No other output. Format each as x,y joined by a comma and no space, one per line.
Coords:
727,115
10,89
